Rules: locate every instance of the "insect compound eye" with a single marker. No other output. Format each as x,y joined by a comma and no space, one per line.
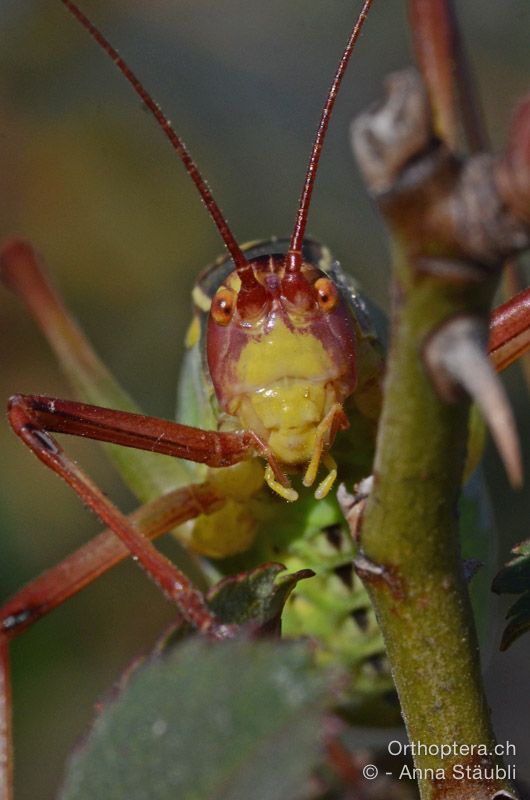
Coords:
327,294
223,305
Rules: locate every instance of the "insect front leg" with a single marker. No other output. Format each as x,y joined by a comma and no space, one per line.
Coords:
76,571
93,559
33,417
510,330
6,734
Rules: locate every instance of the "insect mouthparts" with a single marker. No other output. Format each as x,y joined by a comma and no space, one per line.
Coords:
272,282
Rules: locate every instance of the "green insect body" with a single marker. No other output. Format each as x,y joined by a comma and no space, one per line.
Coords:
256,526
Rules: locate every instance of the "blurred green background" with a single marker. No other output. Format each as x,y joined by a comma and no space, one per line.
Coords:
89,179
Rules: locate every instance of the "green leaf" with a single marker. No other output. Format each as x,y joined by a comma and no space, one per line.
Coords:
223,721
519,622
256,596
514,578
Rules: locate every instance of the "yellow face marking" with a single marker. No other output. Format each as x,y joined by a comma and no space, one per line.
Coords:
290,404
283,379
283,353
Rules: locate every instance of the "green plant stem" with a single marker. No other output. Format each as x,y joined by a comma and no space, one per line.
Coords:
410,529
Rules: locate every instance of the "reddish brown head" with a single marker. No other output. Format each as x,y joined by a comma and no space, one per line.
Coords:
281,353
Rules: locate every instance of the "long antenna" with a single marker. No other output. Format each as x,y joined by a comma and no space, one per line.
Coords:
177,143
294,256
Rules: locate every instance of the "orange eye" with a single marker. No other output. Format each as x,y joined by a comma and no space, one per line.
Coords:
223,305
327,294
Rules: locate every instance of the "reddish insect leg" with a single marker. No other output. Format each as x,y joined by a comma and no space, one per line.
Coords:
510,330
130,430
74,573
80,568
6,756
31,418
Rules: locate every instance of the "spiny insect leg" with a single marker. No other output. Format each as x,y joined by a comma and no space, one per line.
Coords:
84,565
31,425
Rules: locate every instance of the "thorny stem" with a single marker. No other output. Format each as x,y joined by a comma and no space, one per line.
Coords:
409,539
410,529
442,58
